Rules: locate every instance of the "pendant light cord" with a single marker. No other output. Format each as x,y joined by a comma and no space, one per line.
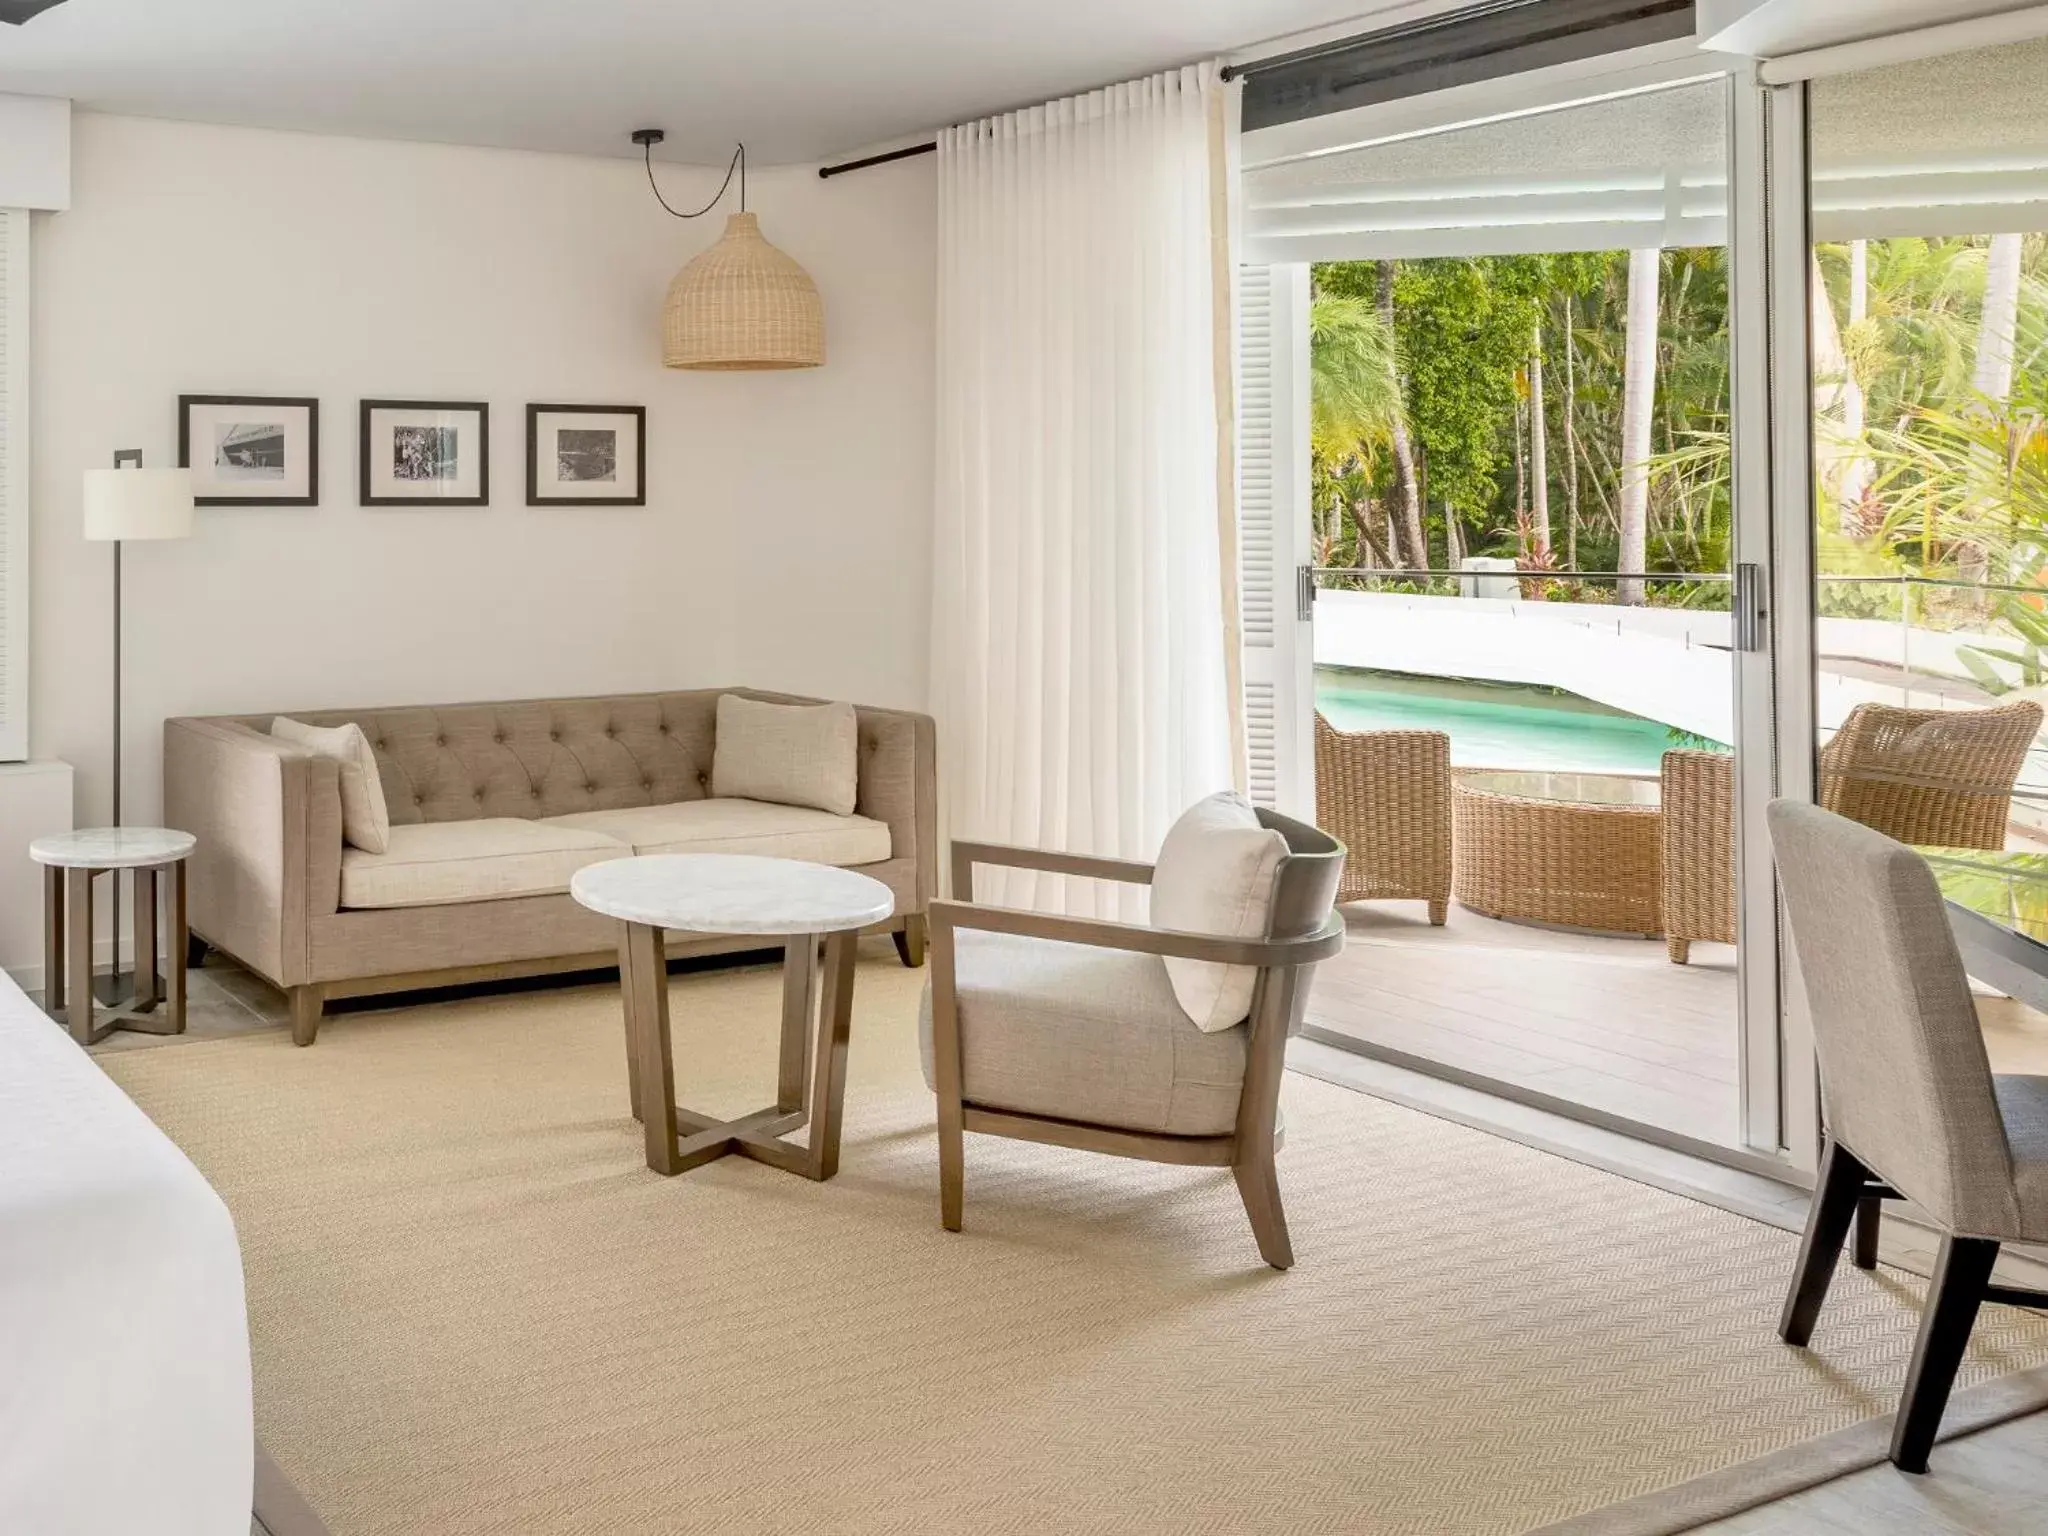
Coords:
738,163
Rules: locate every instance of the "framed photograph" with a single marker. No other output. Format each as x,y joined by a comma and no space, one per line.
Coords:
425,453
586,455
250,450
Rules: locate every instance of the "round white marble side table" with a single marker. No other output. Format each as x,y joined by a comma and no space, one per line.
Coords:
72,860
740,894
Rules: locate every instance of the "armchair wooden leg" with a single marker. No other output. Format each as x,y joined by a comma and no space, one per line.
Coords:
1259,1185
306,1008
195,951
1835,1196
910,940
1961,1273
952,1163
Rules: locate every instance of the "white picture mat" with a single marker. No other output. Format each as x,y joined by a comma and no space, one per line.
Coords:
467,481
207,424
625,480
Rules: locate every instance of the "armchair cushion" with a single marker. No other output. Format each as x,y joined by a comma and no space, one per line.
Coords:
1081,1033
1215,875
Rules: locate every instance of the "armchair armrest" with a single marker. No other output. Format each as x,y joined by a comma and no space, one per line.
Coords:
966,855
268,819
1169,943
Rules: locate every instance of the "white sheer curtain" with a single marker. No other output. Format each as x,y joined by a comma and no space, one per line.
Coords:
1081,614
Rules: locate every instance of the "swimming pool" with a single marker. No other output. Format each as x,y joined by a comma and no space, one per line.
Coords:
1498,725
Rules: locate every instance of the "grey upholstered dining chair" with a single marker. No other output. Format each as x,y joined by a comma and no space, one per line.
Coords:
1911,1106
1065,1030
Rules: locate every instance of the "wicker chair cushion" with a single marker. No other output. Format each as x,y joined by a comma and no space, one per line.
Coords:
1215,875
1087,1034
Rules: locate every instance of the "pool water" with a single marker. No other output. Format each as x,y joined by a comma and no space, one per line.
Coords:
1498,726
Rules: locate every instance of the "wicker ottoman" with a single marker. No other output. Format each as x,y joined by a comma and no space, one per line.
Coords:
1581,850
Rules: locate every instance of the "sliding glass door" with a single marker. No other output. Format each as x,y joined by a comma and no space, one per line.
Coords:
1928,280
1531,558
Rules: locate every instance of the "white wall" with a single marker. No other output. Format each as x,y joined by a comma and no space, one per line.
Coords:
785,540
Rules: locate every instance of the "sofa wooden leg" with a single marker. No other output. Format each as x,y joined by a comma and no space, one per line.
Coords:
910,940
306,1007
1439,911
1259,1185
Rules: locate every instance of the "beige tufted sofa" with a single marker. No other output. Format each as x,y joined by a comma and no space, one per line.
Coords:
493,807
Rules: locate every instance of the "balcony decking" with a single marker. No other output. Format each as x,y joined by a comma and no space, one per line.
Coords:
1605,1022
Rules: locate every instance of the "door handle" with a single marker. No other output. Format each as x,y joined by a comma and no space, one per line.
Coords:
1750,613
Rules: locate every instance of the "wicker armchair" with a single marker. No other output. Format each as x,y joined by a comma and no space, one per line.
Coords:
1386,795
1697,834
1932,777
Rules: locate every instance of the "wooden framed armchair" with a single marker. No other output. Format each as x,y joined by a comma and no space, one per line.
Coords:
1386,795
1065,1030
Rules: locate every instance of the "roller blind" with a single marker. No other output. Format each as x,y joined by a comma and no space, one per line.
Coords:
1646,168
13,484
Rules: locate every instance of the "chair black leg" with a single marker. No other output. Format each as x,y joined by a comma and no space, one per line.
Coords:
1835,1193
1961,1273
1869,1217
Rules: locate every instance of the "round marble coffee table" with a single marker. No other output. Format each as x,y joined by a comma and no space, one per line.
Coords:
72,860
727,893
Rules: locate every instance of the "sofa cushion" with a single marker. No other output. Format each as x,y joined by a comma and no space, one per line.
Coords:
1215,874
365,821
1081,1033
434,863
789,754
739,826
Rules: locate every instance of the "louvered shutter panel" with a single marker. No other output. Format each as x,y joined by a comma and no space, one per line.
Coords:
1272,501
13,485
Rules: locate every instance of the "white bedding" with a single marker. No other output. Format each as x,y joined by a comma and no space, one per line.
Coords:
124,1342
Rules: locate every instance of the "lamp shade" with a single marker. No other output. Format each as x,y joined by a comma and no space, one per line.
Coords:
138,504
743,304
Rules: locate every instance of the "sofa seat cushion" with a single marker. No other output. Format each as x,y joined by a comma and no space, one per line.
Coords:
1080,1033
738,826
434,863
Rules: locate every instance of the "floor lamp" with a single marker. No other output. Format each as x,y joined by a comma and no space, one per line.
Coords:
122,503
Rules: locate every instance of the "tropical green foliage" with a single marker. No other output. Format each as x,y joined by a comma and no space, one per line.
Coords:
1466,335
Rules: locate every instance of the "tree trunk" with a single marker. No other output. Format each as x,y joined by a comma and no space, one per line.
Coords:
1454,539
1522,478
1375,552
1638,403
1571,443
1539,450
1991,377
1831,450
1856,477
1408,525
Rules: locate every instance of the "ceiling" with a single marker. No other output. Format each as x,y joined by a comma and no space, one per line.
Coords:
797,80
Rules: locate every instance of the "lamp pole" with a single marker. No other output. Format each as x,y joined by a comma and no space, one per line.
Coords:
125,458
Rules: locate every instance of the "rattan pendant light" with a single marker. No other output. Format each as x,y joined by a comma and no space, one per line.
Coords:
742,303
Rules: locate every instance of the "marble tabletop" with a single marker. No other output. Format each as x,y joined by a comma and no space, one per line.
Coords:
732,893
112,847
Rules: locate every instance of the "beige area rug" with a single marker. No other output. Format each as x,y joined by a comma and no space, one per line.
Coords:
475,1310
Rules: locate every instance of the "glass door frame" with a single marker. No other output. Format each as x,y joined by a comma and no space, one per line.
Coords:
1771,469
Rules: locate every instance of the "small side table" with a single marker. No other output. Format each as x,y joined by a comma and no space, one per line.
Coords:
71,861
743,894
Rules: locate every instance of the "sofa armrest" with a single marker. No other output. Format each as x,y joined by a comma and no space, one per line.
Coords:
268,819
899,785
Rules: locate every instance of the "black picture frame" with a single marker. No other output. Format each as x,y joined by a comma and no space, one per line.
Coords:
308,404
534,498
365,483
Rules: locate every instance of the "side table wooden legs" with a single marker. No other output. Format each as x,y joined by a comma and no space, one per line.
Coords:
157,1005
817,1018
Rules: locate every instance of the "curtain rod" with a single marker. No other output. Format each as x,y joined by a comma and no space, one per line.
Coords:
827,172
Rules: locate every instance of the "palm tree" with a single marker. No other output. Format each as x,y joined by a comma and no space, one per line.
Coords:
1407,479
1639,398
1354,401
